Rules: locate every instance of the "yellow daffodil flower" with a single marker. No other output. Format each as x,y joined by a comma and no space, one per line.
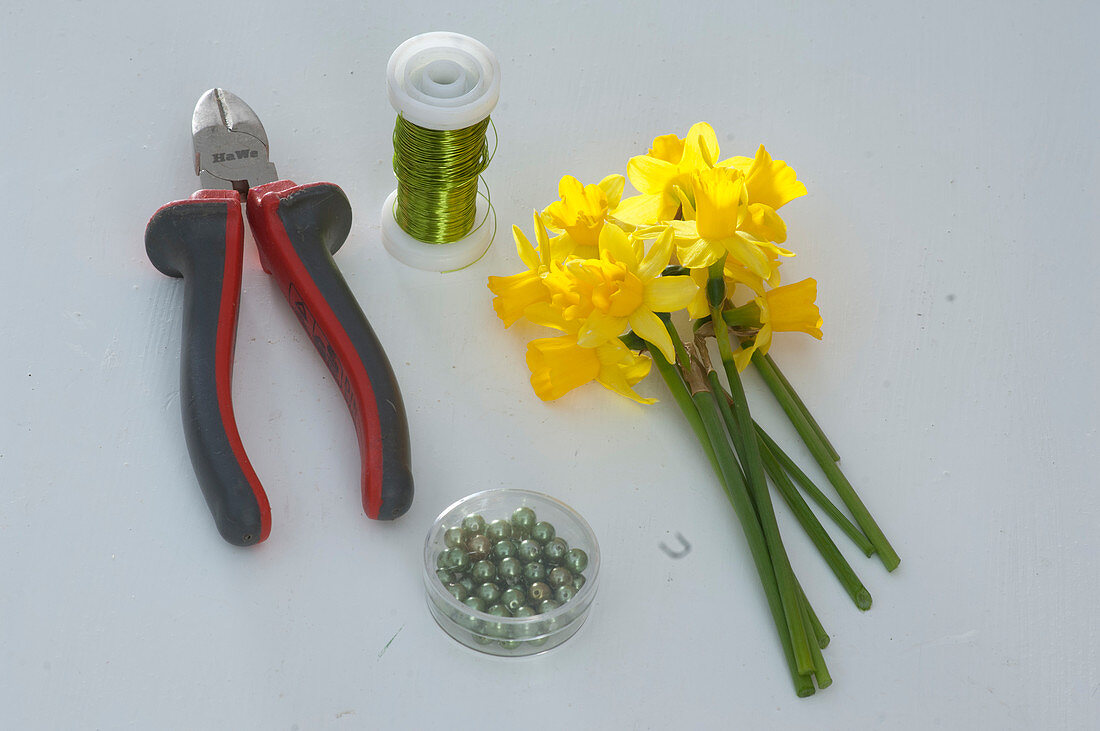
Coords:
516,293
789,308
769,185
582,212
721,209
558,365
665,168
622,288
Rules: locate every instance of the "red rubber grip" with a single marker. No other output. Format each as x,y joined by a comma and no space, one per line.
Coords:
297,229
202,240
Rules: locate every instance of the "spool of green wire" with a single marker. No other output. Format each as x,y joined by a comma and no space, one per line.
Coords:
437,179
443,86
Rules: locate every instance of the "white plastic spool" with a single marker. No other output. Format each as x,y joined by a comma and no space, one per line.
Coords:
441,81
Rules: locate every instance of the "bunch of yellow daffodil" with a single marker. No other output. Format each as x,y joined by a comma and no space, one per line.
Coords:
597,268
704,236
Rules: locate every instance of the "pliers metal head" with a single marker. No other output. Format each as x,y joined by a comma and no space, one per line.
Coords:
231,149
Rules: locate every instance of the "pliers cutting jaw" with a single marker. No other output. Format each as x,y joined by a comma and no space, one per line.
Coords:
231,149
297,228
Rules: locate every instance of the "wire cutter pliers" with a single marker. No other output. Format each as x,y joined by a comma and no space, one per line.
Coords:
297,229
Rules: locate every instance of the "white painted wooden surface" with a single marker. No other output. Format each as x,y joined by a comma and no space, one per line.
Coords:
951,154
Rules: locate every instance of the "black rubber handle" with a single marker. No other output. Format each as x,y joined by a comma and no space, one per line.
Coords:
297,229
202,240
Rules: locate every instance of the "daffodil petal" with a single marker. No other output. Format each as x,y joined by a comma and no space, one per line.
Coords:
744,164
772,182
650,175
649,328
599,328
669,148
700,147
526,252
656,259
681,230
618,381
615,243
764,223
569,188
612,187
668,294
700,253
545,314
639,210
621,369
743,276
687,207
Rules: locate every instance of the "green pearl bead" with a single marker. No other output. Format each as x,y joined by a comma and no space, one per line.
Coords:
533,572
548,605
555,551
539,592
513,598
489,592
520,534
498,530
479,546
474,524
511,570
564,593
524,611
483,571
444,576
560,576
467,583
454,537
499,610
475,602
460,561
504,549
458,591
543,532
523,518
578,581
576,560
510,644
443,560
529,551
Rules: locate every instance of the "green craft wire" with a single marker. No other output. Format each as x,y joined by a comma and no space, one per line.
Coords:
437,177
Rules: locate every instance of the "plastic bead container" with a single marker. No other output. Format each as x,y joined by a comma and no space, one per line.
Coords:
511,636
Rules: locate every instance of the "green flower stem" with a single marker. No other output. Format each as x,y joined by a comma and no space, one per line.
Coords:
802,407
843,488
815,623
734,487
806,518
742,502
819,497
821,671
758,484
724,408
678,388
809,522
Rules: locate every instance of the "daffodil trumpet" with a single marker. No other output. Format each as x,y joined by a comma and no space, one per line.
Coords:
608,272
